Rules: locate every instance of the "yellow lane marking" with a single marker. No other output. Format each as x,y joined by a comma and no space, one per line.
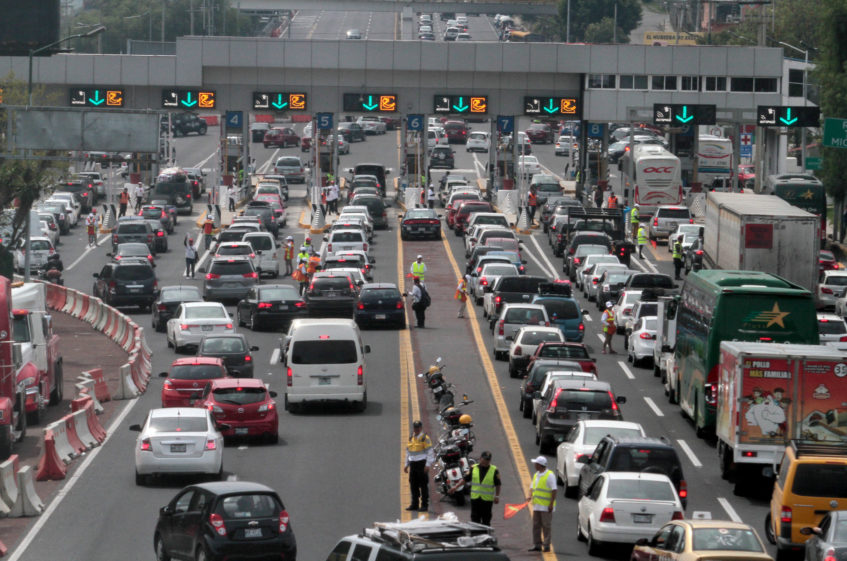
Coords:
521,465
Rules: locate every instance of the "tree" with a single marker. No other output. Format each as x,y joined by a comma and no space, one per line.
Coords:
23,181
603,31
584,13
831,74
791,21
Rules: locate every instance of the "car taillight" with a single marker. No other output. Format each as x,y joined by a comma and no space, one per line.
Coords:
160,234
501,327
710,394
552,407
289,376
830,555
299,304
577,456
582,327
595,280
253,275
217,522
497,300
264,305
518,351
360,376
627,311
843,338
677,515
145,445
228,326
248,358
113,286
683,489
184,327
188,195
826,290
483,281
162,308
608,515
283,521
655,222
646,335
360,306
149,258
691,221
521,268
329,247
364,247
699,252
615,407
210,276
211,444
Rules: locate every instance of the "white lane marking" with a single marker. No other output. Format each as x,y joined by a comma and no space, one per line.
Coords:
652,405
209,157
544,257
626,370
275,357
242,447
634,260
600,336
539,263
86,252
264,167
587,318
729,510
66,489
689,452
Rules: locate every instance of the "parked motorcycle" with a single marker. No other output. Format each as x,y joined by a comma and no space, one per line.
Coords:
435,379
451,468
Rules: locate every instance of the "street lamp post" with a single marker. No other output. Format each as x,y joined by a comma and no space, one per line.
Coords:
805,100
32,53
149,15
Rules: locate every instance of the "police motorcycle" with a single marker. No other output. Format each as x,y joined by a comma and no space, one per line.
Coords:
435,381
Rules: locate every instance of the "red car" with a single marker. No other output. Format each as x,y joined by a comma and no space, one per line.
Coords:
827,261
462,212
281,138
457,132
576,352
746,173
188,377
243,404
541,133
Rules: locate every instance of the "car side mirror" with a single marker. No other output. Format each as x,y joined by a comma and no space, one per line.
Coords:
360,283
165,511
272,393
96,275
135,428
163,374
367,349
620,399
254,348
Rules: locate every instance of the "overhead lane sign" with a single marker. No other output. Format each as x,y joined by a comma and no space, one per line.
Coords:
678,114
461,104
188,99
370,103
279,101
547,105
96,97
788,116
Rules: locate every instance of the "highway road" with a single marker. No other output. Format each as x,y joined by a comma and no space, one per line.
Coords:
338,471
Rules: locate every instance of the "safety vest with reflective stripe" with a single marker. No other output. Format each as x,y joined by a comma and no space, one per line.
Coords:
418,269
608,320
483,489
642,236
541,494
633,215
677,250
533,199
289,252
613,202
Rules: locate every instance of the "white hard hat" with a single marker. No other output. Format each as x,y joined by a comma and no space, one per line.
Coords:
420,256
290,238
609,303
540,460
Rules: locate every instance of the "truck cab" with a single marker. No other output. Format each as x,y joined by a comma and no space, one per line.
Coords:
12,393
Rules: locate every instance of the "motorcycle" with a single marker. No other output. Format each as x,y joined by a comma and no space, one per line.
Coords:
435,379
52,270
451,468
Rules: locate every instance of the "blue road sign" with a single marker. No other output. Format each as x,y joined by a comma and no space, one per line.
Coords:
324,121
234,119
415,123
595,130
505,123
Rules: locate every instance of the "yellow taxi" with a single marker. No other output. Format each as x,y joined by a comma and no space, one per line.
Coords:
693,540
810,483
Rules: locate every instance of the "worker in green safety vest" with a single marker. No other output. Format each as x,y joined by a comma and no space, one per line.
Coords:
485,489
633,219
677,256
642,241
542,499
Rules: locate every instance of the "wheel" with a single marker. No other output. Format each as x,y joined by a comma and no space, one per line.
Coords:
34,418
527,411
593,545
769,529
512,372
568,490
254,324
363,405
673,398
161,554
141,480
170,345
58,391
201,555
580,537
656,372
6,441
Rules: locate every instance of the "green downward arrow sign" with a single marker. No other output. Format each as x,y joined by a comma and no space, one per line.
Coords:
98,101
551,107
279,104
187,101
685,116
787,120
461,108
370,105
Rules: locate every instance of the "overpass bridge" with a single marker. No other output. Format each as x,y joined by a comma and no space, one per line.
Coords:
523,7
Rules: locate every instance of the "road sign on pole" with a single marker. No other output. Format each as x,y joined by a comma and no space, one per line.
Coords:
324,121
415,123
234,120
505,123
745,141
835,133
813,163
595,130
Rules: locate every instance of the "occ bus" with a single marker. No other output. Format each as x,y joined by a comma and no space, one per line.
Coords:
653,176
717,306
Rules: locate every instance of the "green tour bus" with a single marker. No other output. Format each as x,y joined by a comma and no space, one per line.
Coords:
802,190
717,305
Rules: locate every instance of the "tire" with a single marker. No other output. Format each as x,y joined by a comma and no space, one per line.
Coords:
769,529
34,418
580,537
527,412
363,405
254,324
201,555
58,391
512,372
238,318
725,462
5,441
159,548
656,372
593,545
272,438
140,480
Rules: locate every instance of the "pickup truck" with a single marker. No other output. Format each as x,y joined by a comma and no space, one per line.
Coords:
605,220
510,290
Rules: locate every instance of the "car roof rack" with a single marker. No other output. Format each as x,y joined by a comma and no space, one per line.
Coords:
815,448
440,535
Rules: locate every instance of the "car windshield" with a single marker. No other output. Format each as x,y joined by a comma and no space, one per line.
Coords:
288,162
205,312
499,270
560,309
725,539
178,424
593,435
563,351
538,337
331,283
423,213
196,372
836,280
133,272
531,316
640,489
239,395
259,243
39,245
347,237
223,345
820,480
637,458
583,400
279,293
133,249
324,351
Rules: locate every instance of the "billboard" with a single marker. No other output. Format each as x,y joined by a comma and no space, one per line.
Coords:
665,38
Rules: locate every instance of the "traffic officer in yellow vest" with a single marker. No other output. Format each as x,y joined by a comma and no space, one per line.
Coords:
633,219
642,241
419,268
677,257
485,489
289,255
304,254
419,458
542,495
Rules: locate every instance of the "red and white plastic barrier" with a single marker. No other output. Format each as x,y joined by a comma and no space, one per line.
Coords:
64,448
51,467
8,482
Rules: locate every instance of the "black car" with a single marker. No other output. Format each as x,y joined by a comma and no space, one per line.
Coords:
81,190
160,236
442,157
640,281
133,229
693,256
170,297
641,454
331,295
352,132
376,208
225,520
549,207
535,376
507,290
266,213
184,123
130,282
380,304
169,208
159,213
258,130
420,223
611,285
270,305
233,349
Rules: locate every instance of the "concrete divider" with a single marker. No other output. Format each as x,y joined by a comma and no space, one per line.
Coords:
64,449
50,465
55,296
101,389
28,503
81,424
8,481
73,437
85,388
85,304
70,300
127,389
95,309
94,426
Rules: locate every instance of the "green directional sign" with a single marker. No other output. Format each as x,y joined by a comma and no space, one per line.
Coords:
279,101
460,104
370,103
678,114
188,99
96,97
813,163
788,116
547,106
835,133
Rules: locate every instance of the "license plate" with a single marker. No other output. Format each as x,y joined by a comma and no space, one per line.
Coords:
252,532
207,327
379,316
324,381
438,388
241,430
177,447
134,290
642,518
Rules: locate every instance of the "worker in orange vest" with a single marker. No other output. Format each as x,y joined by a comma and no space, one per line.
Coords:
208,226
532,203
289,255
612,202
123,202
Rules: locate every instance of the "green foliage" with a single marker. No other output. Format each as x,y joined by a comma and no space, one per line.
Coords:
592,13
789,21
831,74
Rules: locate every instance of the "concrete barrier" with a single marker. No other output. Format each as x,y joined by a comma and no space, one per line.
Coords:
73,437
50,465
101,389
81,424
85,304
64,449
28,503
70,301
85,388
127,389
94,426
8,481
95,309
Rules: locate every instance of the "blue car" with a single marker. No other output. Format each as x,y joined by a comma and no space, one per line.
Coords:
564,313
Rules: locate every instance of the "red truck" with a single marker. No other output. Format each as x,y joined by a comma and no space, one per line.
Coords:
32,329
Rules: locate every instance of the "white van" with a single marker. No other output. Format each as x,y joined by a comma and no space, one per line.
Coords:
266,250
325,361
